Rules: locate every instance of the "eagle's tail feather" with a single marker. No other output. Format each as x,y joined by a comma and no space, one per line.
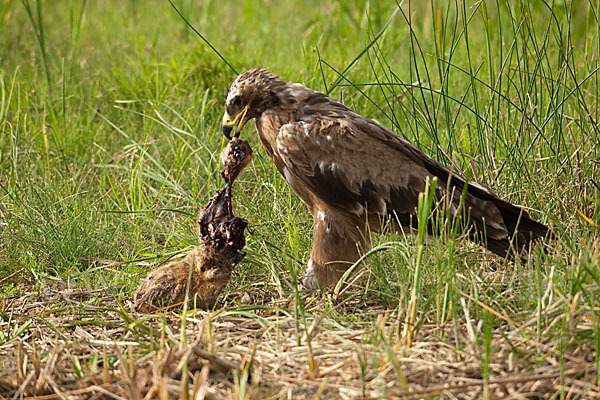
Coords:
523,232
503,228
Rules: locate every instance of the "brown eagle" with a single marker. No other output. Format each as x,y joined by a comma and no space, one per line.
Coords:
351,172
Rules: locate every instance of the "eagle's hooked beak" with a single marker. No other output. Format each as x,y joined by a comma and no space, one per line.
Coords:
228,123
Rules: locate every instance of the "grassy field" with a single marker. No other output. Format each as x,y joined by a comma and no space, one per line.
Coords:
109,140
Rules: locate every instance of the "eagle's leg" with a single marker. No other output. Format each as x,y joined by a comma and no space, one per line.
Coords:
333,252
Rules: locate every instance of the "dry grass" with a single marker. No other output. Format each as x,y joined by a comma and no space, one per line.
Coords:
74,350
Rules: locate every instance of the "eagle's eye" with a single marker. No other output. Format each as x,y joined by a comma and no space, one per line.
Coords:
237,100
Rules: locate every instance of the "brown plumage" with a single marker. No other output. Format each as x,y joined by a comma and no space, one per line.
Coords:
352,171
211,263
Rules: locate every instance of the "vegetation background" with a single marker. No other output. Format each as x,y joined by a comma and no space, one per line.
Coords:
109,139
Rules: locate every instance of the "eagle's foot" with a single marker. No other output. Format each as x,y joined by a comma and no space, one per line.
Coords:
309,280
321,276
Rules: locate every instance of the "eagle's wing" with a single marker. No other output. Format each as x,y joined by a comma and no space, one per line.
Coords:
356,164
349,169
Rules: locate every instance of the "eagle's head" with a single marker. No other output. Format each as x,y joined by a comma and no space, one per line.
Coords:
251,94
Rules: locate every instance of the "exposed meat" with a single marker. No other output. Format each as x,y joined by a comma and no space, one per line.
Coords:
208,266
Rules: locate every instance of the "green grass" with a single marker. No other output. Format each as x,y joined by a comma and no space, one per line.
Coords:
110,133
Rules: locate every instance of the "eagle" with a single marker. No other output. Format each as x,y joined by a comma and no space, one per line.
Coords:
352,173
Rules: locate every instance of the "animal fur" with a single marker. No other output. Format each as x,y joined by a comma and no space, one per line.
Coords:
205,271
